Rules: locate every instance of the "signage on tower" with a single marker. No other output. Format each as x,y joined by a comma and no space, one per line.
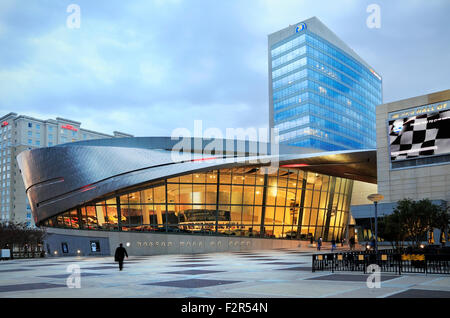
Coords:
300,27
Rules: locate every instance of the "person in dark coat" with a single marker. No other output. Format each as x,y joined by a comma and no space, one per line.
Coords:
333,245
120,254
352,243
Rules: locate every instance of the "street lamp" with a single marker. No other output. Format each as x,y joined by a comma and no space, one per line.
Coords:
375,198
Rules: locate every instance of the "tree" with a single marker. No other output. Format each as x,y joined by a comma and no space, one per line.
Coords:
18,235
412,220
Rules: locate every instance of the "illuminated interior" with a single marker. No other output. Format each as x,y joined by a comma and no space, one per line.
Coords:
290,204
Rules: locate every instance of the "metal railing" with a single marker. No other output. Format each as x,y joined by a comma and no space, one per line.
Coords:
388,261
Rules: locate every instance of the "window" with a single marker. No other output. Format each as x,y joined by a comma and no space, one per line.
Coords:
30,133
30,142
38,143
30,125
50,144
38,126
64,247
95,246
50,128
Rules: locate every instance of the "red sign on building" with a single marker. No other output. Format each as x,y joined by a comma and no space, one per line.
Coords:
69,127
5,123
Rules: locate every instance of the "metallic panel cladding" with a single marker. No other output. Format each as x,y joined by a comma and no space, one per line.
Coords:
63,177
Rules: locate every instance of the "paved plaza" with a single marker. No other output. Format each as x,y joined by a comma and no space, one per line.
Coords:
255,274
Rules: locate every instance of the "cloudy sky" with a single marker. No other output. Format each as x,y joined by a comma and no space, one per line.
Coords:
148,67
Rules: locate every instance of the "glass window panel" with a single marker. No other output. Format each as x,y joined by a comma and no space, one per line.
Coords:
159,212
310,180
84,221
111,201
338,185
225,177
282,178
211,194
74,219
268,231
249,195
269,216
259,179
160,194
308,198
277,232
211,177
272,181
186,178
132,214
259,191
236,194
186,193
257,217
316,198
199,178
271,195
91,217
292,181
113,216
198,194
250,179
224,197
281,197
313,217
66,219
279,215
247,214
235,214
238,178
133,198
124,199
174,180
321,217
148,215
173,193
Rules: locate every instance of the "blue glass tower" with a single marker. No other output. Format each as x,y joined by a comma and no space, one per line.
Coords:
322,95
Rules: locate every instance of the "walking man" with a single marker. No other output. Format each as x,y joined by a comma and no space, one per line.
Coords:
319,243
333,245
120,254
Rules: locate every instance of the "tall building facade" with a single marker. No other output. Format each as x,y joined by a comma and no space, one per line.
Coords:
322,94
19,133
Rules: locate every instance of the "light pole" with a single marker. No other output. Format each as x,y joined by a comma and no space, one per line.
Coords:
375,198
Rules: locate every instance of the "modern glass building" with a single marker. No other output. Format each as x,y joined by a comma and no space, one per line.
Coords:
238,201
114,188
322,94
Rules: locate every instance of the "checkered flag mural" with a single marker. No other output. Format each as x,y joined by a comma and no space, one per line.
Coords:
423,135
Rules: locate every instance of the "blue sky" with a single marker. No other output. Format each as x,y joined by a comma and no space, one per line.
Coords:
148,67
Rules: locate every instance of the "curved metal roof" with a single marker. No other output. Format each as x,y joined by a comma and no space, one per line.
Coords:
62,177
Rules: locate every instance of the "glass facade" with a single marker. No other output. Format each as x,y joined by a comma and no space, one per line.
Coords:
240,201
322,97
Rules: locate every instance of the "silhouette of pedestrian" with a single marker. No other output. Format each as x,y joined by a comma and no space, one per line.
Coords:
352,243
319,243
333,245
120,254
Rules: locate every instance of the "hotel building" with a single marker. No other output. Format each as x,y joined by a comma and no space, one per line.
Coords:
19,133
